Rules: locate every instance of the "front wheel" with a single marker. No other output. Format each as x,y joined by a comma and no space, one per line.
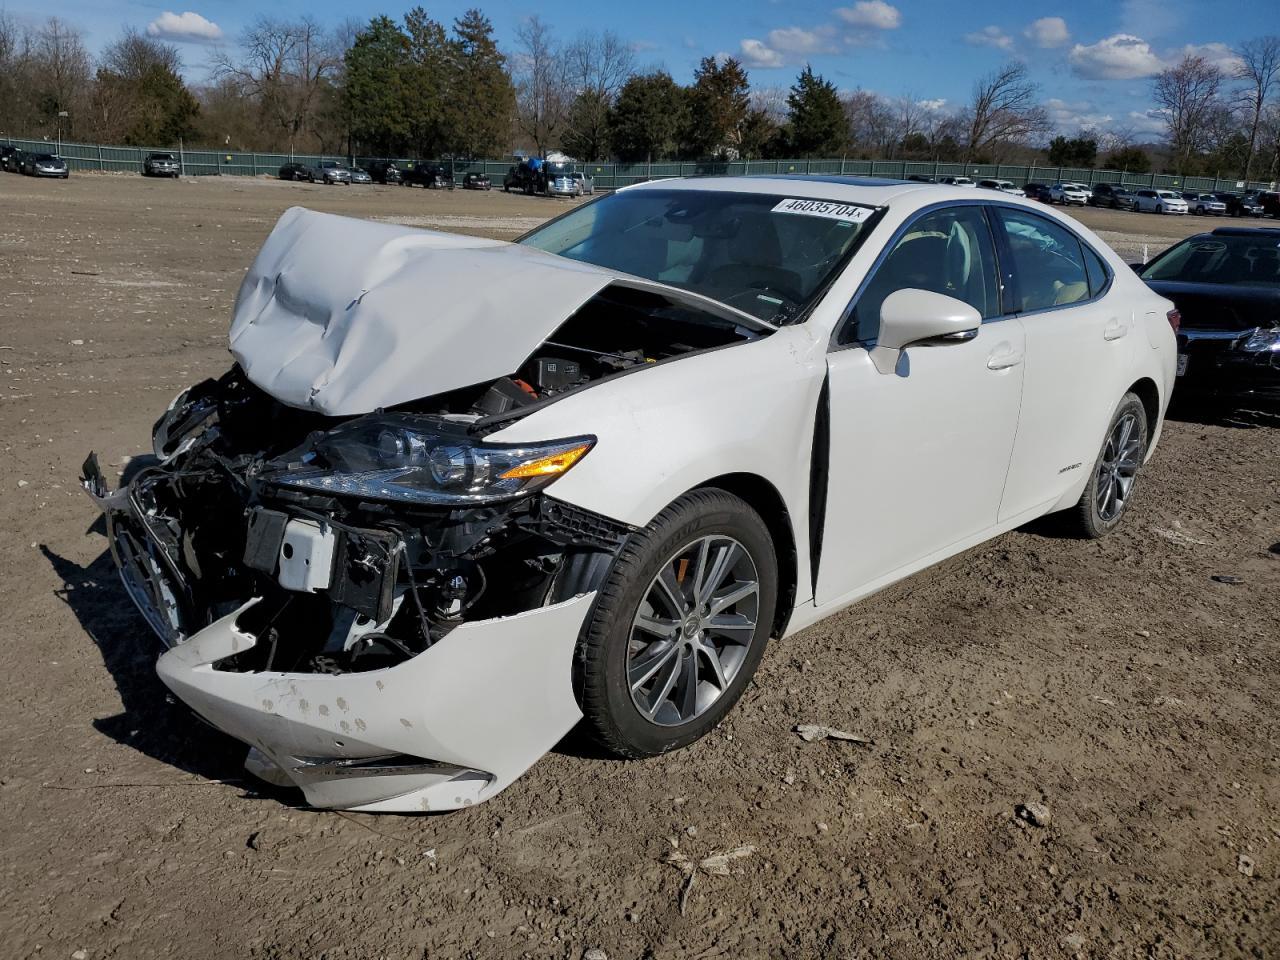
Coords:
1114,480
679,625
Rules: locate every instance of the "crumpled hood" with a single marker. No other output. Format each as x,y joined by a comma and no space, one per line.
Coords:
343,316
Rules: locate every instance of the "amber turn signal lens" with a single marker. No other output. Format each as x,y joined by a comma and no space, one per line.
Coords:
548,466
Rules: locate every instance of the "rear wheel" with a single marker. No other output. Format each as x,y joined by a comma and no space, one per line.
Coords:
1114,480
679,625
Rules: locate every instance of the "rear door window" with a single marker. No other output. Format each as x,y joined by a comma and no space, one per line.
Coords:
1048,262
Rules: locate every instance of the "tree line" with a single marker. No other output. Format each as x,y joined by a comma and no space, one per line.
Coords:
420,87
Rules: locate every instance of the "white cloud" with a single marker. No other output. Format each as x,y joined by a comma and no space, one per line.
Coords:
1151,122
990,37
1048,32
933,106
871,15
796,41
185,27
1119,57
755,53
1069,117
1219,54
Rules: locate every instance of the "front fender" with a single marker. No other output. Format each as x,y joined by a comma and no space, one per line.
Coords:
665,429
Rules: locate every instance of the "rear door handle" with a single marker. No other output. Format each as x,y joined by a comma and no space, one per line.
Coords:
1004,359
1114,330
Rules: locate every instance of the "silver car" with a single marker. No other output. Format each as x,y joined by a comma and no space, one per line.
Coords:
359,176
564,185
586,185
331,171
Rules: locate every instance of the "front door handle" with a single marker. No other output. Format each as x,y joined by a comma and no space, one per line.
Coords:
1004,359
1114,330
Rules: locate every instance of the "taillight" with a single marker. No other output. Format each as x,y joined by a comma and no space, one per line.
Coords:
1175,319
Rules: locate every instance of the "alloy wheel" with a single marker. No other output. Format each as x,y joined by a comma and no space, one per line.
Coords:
693,630
1118,468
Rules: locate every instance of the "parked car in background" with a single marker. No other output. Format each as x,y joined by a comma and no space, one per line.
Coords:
564,185
358,175
1003,186
586,184
957,181
400,558
1204,204
476,181
1069,194
534,175
383,171
8,153
1241,204
1269,201
423,173
44,165
331,172
1226,285
920,178
297,171
1159,201
161,165
1112,195
1037,191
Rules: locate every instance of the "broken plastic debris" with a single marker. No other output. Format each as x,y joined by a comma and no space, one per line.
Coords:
810,732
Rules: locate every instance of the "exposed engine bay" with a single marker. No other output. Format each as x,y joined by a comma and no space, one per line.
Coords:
369,538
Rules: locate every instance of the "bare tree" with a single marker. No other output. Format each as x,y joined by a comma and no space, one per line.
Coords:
1004,109
1188,94
599,63
60,74
284,69
1259,71
771,102
544,90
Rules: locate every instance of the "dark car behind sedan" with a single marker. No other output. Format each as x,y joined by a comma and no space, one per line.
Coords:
44,165
476,181
9,154
1037,191
1226,286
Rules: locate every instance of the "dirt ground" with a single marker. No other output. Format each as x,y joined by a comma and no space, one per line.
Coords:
1114,682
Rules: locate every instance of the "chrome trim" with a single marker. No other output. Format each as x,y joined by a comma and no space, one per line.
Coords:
391,765
1193,334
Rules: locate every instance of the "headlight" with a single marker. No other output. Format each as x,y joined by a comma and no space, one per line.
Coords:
401,457
1263,340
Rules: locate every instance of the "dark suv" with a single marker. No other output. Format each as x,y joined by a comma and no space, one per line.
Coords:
383,171
1112,195
433,176
160,165
1239,205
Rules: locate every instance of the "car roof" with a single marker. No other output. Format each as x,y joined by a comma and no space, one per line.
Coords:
1260,232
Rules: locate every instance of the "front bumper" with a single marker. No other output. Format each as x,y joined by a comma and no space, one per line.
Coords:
1216,366
54,174
451,727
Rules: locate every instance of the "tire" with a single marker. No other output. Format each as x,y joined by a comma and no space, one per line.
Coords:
1090,519
613,648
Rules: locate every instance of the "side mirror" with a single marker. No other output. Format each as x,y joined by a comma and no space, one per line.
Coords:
921,318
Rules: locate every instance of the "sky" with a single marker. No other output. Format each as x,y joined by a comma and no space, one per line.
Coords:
1093,59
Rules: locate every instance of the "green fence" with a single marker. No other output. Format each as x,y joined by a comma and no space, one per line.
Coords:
608,176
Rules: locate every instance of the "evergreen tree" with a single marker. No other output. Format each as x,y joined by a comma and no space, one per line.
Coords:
481,98
426,81
1081,151
816,121
376,93
718,106
647,117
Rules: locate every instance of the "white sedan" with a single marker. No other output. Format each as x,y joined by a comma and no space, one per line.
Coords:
1159,201
457,496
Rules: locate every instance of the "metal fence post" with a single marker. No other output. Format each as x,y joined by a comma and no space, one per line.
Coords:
100,166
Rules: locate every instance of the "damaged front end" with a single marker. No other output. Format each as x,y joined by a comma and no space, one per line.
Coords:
384,607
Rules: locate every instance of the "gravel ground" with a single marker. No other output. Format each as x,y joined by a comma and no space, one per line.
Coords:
1074,748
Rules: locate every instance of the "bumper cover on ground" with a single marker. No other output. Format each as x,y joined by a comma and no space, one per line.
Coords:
451,727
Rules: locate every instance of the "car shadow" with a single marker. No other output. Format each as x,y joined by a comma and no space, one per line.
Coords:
1244,414
151,721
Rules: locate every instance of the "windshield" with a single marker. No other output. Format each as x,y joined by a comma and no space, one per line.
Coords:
1169,195
1242,260
765,254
